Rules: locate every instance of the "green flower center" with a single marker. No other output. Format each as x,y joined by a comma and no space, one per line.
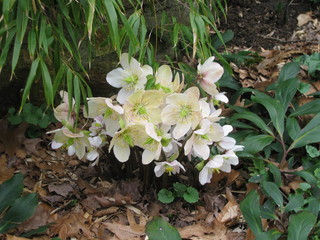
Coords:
140,109
131,80
185,111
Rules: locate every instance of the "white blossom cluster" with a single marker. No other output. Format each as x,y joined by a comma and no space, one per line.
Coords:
164,121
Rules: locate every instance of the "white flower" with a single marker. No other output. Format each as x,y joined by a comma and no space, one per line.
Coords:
226,143
208,74
164,79
229,158
183,111
221,97
213,164
129,78
198,143
61,112
170,167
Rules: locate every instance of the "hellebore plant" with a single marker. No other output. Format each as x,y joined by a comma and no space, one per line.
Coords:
164,120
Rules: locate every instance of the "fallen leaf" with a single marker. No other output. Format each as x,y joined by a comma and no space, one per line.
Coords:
123,232
62,189
303,19
5,172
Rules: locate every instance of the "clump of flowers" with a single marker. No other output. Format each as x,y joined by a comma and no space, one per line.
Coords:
161,117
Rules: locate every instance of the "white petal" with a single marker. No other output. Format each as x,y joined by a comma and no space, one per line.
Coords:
115,77
121,153
202,151
148,156
227,129
226,167
227,143
92,155
215,162
159,170
123,95
181,129
56,145
221,97
71,150
205,176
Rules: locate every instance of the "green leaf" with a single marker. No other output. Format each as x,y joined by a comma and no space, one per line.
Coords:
310,178
254,118
32,42
309,134
191,195
251,211
165,196
295,203
6,47
304,87
254,144
92,7
77,93
159,229
21,210
179,189
274,108
276,174
273,191
113,23
10,190
289,70
226,36
286,90
293,127
268,210
300,225
47,83
269,235
312,107
312,151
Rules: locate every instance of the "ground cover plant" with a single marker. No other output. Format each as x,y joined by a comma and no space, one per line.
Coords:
182,147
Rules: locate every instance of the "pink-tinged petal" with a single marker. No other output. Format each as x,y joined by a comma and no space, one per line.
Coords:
213,72
150,130
112,126
202,150
193,91
209,88
159,169
115,77
122,153
181,129
95,141
123,95
148,156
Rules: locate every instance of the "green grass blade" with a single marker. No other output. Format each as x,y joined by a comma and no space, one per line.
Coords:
47,83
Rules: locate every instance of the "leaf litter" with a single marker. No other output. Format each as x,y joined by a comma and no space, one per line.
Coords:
78,202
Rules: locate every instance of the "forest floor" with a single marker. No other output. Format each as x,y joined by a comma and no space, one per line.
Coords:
85,202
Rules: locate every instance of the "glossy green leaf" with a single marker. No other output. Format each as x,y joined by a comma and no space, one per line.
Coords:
300,225
10,190
288,71
309,134
269,235
293,127
32,42
254,118
250,208
58,78
286,90
274,192
30,79
312,107
274,108
21,210
257,143
6,9
159,229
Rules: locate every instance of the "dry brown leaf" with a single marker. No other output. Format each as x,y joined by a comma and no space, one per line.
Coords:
123,232
200,231
11,237
5,172
62,189
230,213
136,227
41,217
72,225
304,18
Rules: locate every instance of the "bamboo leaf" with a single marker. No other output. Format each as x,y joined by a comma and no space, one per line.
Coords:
30,79
92,7
47,83
5,49
113,23
77,93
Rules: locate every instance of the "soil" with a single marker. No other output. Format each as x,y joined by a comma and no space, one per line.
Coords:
264,23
